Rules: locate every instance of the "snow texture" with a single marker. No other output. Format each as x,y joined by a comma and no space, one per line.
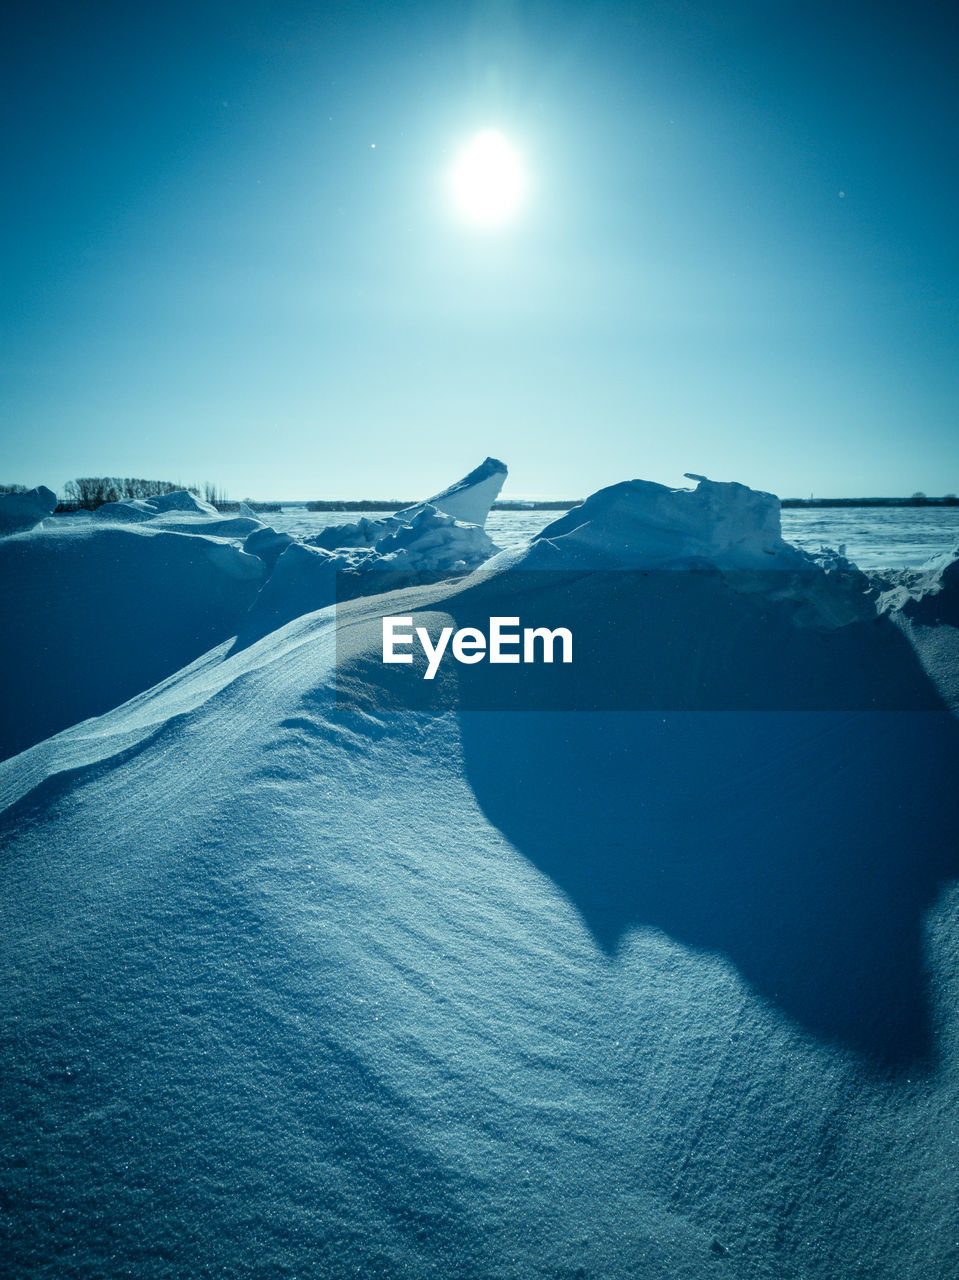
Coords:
103,608
424,538
135,509
307,576
98,613
642,525
297,983
24,510
268,544
470,499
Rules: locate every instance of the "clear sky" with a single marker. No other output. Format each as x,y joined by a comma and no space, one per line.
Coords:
230,252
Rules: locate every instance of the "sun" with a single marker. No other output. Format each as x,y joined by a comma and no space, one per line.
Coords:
488,181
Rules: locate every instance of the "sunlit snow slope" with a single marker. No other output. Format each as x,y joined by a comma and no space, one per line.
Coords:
304,987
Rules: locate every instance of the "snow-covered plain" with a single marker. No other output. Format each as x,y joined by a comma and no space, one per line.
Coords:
874,537
299,982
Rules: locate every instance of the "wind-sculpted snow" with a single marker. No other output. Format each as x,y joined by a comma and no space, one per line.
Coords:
25,510
468,501
159,504
101,607
430,539
924,604
299,980
307,577
642,525
180,512
96,613
268,544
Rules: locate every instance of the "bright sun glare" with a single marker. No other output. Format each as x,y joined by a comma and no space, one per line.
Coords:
488,181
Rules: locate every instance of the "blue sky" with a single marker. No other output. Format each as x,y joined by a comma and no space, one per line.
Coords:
738,256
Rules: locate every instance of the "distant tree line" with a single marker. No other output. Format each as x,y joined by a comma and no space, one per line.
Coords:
372,504
86,493
252,503
361,504
564,504
917,500
90,492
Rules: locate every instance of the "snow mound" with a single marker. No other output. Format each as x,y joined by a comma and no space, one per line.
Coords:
468,501
535,994
304,578
924,603
471,498
180,512
432,539
722,527
524,996
639,524
933,598
24,510
268,544
363,533
135,509
97,612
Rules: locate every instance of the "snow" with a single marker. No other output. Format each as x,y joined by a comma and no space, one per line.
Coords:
300,982
268,544
110,605
365,533
303,580
24,510
642,525
931,594
180,512
307,576
431,539
350,559
97,613
924,604
645,527
159,504
470,499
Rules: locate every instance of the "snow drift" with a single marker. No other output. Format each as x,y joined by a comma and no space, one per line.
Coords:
443,535
307,576
160,504
642,525
96,614
467,502
299,981
470,499
180,512
25,510
100,609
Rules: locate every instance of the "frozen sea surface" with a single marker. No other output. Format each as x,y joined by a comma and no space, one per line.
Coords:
874,537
